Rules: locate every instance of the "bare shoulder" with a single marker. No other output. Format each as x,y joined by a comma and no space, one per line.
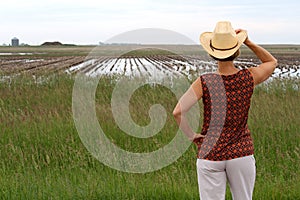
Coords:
252,70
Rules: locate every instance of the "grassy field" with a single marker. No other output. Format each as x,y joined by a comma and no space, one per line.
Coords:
42,156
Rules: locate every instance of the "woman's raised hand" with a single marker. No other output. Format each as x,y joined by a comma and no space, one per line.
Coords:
247,39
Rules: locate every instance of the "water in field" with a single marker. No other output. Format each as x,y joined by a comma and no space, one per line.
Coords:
166,66
9,54
157,66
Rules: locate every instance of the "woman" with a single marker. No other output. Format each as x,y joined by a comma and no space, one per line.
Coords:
225,147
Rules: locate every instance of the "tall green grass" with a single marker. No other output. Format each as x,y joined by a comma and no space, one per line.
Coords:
42,157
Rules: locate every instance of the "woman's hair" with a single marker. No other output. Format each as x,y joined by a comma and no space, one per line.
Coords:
230,58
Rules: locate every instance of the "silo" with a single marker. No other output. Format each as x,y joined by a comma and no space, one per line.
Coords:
15,42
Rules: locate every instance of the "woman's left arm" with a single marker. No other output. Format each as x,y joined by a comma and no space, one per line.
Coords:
190,97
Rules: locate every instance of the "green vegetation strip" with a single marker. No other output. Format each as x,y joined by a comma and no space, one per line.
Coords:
42,157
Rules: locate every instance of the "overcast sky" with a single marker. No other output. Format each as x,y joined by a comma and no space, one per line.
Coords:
92,21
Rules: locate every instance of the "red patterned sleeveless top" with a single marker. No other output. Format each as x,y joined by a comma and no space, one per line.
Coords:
226,101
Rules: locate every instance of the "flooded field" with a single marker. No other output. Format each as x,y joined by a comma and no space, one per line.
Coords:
193,63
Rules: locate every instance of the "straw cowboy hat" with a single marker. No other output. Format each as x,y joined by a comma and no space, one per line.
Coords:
223,42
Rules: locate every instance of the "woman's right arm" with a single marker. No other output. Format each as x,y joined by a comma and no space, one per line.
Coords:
268,65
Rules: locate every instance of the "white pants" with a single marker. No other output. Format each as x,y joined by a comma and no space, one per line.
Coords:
213,175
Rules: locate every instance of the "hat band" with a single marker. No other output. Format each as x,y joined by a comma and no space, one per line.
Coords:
214,48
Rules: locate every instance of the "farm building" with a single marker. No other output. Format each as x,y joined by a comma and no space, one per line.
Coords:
15,42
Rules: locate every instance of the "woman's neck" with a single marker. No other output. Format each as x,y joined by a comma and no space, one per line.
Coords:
226,68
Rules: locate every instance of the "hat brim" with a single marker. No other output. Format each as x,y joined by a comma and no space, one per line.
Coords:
206,37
